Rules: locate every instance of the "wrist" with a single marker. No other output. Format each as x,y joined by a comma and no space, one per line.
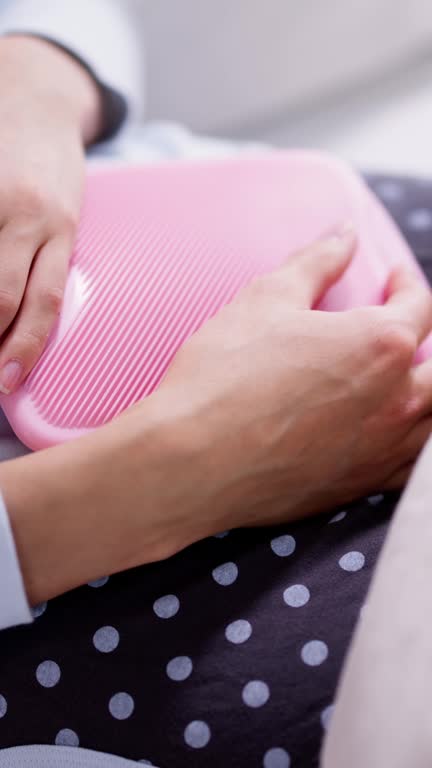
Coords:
52,523
44,74
127,494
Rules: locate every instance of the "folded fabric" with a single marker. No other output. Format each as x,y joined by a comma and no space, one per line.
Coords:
41,756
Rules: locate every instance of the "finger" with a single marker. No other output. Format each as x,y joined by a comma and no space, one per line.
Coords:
39,311
421,384
410,300
17,251
409,450
309,273
414,441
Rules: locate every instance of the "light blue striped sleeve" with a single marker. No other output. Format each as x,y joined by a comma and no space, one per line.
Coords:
14,607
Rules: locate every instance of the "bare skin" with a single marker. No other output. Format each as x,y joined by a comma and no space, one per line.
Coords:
270,412
49,112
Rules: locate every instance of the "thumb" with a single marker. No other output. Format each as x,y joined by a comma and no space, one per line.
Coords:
309,273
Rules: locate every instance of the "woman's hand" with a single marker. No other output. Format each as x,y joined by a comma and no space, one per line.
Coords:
295,410
270,412
49,109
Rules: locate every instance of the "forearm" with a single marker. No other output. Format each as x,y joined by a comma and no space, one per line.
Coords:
120,497
382,711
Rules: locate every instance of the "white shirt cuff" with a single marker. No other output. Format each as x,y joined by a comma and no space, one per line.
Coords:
14,607
99,32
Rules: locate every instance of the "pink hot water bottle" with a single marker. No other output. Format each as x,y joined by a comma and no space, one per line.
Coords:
161,248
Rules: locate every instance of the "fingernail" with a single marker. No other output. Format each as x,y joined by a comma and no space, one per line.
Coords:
346,230
10,376
343,238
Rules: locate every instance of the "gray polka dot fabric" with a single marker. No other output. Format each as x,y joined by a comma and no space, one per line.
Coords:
227,654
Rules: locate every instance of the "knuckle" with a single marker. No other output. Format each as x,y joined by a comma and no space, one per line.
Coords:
31,201
403,412
51,299
8,303
395,343
410,409
36,206
65,219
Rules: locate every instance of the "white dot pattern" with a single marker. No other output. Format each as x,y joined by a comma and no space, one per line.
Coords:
326,715
166,607
337,518
419,220
39,610
296,596
197,734
238,631
67,738
48,674
256,693
276,758
390,191
352,561
225,574
180,668
377,499
283,546
121,706
106,639
314,653
99,582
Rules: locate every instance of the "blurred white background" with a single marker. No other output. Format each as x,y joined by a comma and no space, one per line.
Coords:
351,76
